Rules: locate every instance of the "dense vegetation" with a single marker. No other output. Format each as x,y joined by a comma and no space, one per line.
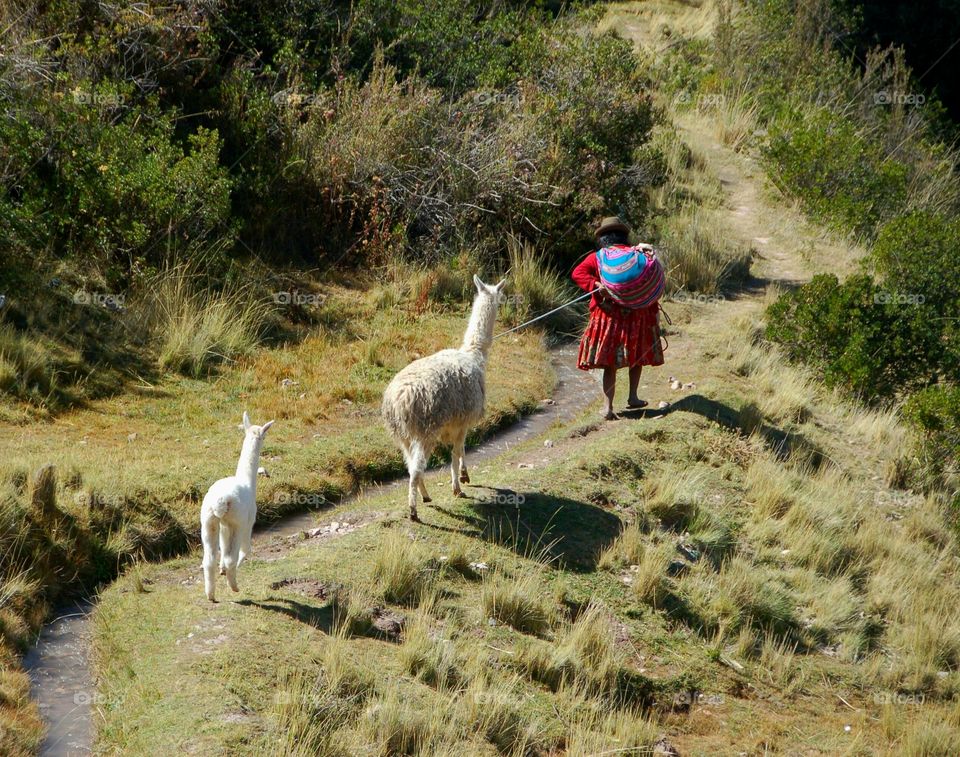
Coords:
865,149
139,138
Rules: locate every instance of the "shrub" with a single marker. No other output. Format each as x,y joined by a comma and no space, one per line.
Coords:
935,413
917,253
840,175
861,337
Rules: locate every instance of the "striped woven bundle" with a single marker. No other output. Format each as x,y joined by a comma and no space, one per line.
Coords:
633,276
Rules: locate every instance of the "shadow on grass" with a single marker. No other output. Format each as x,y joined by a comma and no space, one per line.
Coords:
786,445
567,531
321,618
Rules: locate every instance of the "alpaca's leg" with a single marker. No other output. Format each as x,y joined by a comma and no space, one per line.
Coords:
457,467
464,476
224,547
208,534
412,497
416,463
421,454
246,542
229,546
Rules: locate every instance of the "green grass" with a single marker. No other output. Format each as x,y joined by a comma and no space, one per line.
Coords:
552,650
130,470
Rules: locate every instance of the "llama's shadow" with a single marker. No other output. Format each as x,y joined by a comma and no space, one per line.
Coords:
785,445
555,528
321,618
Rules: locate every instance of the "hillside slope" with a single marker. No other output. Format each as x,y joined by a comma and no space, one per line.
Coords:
735,573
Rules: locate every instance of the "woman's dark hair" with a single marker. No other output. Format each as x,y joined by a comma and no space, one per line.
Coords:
611,238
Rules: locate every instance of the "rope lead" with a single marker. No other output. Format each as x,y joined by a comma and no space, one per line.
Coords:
541,317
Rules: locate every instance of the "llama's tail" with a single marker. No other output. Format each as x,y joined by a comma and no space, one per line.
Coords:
222,506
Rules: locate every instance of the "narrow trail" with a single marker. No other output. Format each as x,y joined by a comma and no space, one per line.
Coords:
59,663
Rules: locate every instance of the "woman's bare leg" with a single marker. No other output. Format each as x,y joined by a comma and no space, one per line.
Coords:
633,400
609,388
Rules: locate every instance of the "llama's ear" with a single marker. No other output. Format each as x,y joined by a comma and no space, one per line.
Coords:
246,421
502,285
264,427
477,283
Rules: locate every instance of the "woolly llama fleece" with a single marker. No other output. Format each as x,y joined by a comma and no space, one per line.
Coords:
439,397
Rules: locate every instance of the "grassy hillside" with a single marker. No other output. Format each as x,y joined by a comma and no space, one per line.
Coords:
723,573
761,564
742,571
129,471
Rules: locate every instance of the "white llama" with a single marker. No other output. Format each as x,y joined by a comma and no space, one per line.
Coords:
439,397
228,512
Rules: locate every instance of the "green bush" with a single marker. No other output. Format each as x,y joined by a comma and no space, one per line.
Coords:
840,175
919,252
935,413
859,334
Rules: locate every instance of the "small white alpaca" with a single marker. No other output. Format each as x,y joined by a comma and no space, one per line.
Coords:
228,512
439,397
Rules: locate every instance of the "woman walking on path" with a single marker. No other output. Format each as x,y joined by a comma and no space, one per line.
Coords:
616,336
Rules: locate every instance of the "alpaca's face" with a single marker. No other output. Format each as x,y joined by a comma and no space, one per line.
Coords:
491,290
257,432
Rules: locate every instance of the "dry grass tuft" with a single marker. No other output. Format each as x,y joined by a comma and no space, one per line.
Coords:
517,601
196,328
400,572
699,253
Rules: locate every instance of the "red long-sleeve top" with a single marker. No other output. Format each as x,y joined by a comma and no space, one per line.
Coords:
587,276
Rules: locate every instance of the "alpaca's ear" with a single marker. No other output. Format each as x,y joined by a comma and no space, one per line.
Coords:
502,285
265,426
477,283
246,421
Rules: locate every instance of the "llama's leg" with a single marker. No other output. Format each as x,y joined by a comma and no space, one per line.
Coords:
208,534
224,547
246,542
464,476
416,463
457,467
421,454
229,546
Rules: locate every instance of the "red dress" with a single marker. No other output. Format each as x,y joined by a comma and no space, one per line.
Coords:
616,337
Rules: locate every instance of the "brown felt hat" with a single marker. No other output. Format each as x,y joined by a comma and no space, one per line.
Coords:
611,223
